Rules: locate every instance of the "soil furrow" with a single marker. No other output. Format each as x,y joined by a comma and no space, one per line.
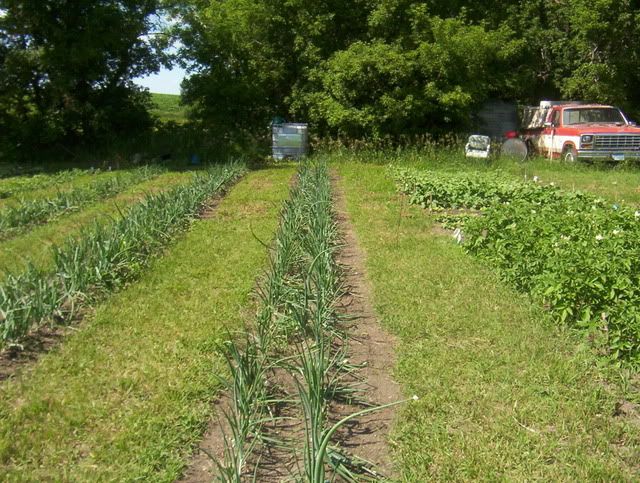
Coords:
369,346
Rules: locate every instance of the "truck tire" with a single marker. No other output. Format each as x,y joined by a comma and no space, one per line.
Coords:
569,154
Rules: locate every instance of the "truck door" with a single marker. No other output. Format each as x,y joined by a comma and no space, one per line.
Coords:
549,139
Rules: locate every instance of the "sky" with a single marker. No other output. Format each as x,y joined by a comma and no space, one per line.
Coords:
164,82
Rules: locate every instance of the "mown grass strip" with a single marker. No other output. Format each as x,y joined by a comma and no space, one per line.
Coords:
22,184
34,247
128,396
502,395
32,211
104,258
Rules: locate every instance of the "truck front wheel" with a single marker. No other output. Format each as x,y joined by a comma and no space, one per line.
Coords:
569,154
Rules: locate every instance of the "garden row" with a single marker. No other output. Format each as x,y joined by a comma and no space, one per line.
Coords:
296,354
574,253
104,257
29,212
21,184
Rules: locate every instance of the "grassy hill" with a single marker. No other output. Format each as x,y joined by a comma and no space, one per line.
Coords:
167,108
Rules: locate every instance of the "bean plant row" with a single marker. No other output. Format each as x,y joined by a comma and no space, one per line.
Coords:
576,254
297,333
32,211
104,257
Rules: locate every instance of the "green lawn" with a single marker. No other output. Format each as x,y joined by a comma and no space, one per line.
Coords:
52,191
167,108
128,396
35,244
616,183
503,395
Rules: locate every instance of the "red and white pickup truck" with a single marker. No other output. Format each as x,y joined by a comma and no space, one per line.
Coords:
573,131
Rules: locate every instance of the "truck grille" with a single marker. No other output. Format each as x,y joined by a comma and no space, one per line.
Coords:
616,142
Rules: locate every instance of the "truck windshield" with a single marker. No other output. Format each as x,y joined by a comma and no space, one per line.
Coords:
601,115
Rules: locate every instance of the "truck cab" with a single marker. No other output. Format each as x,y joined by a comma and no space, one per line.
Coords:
573,131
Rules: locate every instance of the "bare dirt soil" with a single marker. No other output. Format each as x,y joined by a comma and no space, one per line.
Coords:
39,342
370,346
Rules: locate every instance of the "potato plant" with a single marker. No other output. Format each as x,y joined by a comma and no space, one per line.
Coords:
575,254
476,191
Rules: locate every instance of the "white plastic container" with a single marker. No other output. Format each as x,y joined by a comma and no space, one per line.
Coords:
290,140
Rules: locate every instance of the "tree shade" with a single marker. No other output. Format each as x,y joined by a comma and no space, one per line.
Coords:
66,68
394,67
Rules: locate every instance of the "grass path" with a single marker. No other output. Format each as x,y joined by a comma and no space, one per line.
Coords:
503,396
129,394
35,244
52,191
616,185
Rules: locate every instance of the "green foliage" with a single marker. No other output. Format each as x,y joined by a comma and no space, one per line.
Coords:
577,257
451,221
472,190
104,257
597,51
66,70
398,67
252,56
432,84
572,252
32,211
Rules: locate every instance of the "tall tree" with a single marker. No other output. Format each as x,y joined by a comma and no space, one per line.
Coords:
249,57
390,67
66,67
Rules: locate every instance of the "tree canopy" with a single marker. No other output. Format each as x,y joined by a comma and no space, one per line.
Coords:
66,67
358,68
391,67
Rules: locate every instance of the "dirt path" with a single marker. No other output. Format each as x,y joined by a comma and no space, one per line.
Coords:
370,345
202,467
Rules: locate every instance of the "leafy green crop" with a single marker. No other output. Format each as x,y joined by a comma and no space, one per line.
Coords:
574,253
476,191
